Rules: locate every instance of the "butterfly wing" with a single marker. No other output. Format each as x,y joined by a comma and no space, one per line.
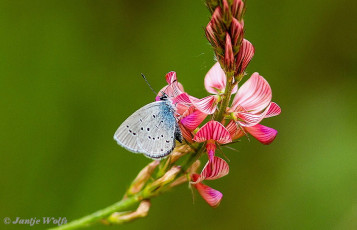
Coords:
128,132
158,138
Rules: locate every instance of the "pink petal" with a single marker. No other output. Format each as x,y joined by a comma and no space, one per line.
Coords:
254,95
262,133
234,130
247,119
213,130
171,77
206,105
183,98
181,108
215,80
171,90
245,55
274,110
210,195
193,120
219,169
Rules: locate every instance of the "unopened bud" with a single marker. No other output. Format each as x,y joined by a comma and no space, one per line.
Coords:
238,9
228,54
212,4
166,179
217,23
245,55
237,33
122,217
211,36
227,14
143,176
179,152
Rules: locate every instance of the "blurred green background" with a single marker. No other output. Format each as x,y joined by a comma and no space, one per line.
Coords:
70,74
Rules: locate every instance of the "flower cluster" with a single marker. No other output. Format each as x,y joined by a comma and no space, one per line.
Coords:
226,122
251,104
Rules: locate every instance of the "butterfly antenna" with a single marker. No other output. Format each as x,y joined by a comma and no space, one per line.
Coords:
224,155
148,83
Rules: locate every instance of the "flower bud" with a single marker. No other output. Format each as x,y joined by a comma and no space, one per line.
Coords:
212,4
227,14
245,55
122,217
165,179
238,9
143,176
179,152
211,36
217,23
228,54
237,33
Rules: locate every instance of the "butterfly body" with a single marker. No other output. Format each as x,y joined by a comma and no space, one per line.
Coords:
151,130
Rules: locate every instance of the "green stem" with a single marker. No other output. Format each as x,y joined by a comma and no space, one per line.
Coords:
85,221
126,203
219,115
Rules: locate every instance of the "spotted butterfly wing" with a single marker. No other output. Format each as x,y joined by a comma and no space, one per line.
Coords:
151,130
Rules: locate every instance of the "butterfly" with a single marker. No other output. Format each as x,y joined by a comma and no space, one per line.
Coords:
151,130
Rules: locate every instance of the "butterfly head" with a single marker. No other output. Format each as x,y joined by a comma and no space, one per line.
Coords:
164,97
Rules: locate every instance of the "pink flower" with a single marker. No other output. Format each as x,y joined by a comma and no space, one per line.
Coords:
189,121
173,87
210,195
176,92
187,107
250,106
216,80
212,132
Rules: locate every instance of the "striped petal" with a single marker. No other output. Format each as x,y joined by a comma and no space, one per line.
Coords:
211,196
183,98
173,88
254,95
193,120
245,55
207,105
274,110
247,119
213,130
262,133
171,77
215,80
234,130
214,170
